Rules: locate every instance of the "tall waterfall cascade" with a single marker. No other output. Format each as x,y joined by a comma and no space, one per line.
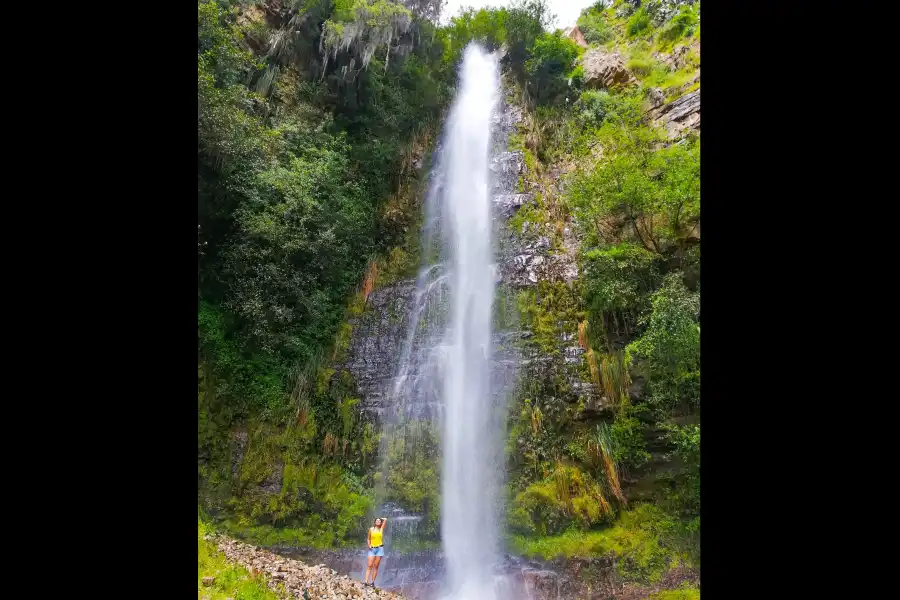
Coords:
448,373
470,439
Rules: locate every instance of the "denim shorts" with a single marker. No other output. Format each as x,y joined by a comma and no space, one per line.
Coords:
379,551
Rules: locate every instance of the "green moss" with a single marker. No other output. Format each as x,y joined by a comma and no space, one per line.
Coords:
268,535
551,311
636,539
531,161
516,141
400,263
685,592
357,305
568,495
317,505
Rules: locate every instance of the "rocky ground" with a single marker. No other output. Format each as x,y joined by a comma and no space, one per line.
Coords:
294,577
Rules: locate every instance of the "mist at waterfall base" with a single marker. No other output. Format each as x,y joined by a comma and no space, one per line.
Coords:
444,371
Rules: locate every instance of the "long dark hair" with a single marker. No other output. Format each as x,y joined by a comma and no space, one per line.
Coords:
375,521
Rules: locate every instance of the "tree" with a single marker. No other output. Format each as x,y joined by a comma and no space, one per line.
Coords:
552,59
427,9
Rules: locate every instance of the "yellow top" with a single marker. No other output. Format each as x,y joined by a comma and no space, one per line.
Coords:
375,536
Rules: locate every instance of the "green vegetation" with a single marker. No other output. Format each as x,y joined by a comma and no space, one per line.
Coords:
542,62
638,540
638,23
315,125
659,40
567,495
230,581
685,592
670,346
594,24
635,198
309,123
551,67
550,310
681,25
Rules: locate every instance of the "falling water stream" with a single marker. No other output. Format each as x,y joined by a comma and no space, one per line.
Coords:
444,371
469,478
451,373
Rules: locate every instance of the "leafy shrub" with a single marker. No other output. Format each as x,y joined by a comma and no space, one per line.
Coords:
638,192
638,22
681,25
671,345
577,77
594,26
619,278
243,382
686,493
597,107
552,60
526,21
629,448
485,26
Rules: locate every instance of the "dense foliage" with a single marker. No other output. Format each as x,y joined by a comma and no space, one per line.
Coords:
302,144
633,195
312,118
310,115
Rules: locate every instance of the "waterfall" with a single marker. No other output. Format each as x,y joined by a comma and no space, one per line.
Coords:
468,524
444,368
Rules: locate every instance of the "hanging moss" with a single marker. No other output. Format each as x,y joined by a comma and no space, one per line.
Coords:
361,27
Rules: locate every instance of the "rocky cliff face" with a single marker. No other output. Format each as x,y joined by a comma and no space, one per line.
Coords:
605,69
524,258
377,343
678,116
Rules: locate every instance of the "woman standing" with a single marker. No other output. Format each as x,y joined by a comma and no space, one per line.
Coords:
376,548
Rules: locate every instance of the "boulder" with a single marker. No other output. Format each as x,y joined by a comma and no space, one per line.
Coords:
679,115
605,70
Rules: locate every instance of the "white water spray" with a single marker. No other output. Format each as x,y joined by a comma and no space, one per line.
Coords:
469,528
444,367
